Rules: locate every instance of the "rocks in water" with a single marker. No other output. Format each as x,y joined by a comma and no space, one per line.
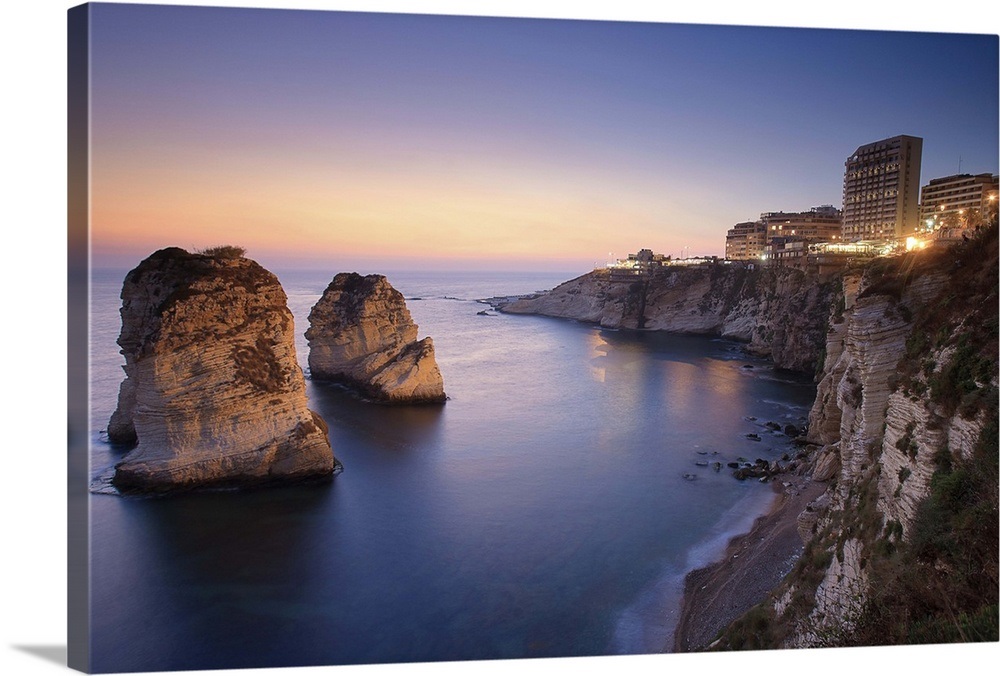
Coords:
361,334
690,477
752,436
773,426
213,394
792,430
760,469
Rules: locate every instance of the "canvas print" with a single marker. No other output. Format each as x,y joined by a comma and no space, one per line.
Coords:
423,338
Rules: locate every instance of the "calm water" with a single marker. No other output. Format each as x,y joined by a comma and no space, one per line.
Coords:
543,511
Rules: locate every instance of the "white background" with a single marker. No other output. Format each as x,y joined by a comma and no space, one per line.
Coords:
33,328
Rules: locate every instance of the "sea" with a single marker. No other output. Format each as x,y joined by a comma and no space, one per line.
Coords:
551,507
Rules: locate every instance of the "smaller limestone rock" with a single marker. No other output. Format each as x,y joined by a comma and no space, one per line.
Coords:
361,334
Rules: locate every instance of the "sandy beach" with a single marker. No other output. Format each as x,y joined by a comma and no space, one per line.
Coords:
754,563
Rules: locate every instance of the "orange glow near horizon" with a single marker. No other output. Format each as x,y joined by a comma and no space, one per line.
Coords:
291,207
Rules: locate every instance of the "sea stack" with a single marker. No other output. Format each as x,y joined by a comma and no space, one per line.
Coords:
361,334
213,394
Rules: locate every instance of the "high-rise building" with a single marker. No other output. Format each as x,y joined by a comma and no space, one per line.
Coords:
882,190
957,200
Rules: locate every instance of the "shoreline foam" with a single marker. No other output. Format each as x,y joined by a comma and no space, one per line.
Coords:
754,564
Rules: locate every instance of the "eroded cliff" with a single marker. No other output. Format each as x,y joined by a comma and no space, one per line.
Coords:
361,334
902,547
781,313
213,394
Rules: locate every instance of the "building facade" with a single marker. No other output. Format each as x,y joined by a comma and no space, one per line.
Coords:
757,240
746,241
819,224
957,201
882,190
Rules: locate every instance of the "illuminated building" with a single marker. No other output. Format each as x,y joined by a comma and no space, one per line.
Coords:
746,241
758,240
819,224
882,190
957,201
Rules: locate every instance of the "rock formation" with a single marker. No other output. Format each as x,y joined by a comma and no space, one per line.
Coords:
213,394
361,334
890,419
902,546
780,312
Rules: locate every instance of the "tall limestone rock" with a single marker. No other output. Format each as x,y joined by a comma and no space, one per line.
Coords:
361,334
213,394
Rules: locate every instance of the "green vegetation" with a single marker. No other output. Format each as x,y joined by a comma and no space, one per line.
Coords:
960,327
964,382
224,251
907,443
755,630
941,584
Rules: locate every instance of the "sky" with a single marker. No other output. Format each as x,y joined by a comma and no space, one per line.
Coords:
33,49
444,142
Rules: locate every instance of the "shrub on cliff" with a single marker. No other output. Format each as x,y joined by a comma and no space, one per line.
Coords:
224,251
940,585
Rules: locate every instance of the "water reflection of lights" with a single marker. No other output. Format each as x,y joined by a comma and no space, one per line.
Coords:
600,346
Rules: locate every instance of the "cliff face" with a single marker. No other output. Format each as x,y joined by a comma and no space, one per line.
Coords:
781,313
903,544
213,394
361,334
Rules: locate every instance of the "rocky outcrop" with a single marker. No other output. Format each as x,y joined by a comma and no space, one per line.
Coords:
213,394
909,384
361,334
781,313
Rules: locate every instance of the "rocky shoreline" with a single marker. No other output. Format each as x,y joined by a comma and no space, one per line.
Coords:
752,566
780,313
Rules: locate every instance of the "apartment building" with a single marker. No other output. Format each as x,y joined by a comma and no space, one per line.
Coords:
882,190
819,224
956,201
746,241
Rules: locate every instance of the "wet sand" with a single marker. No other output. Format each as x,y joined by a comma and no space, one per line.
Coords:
753,565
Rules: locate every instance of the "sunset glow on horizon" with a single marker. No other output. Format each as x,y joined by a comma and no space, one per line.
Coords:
432,141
